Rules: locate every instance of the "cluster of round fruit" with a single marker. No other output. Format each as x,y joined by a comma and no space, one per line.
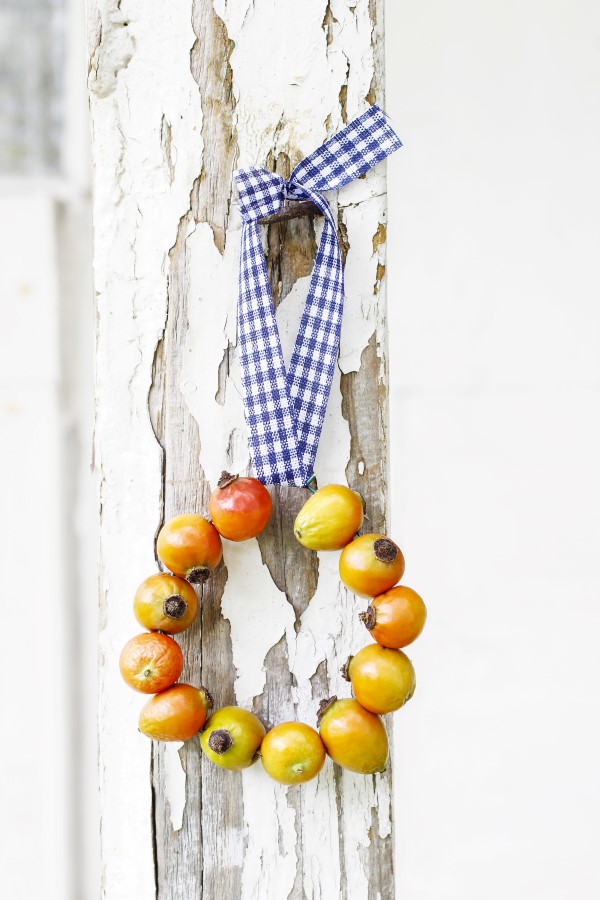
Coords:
382,677
190,547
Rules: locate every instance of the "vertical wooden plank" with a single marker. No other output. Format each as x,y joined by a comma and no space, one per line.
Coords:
174,112
145,113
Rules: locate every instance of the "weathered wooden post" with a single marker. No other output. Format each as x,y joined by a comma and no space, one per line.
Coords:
183,93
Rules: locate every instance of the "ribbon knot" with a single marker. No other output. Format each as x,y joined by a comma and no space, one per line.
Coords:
260,193
285,410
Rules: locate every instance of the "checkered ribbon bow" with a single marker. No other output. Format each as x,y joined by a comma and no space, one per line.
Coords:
285,410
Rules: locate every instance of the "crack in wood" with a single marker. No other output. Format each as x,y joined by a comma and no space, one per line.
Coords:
376,86
177,436
329,21
365,470
339,805
223,374
381,884
166,142
378,277
153,822
211,68
380,237
342,234
112,49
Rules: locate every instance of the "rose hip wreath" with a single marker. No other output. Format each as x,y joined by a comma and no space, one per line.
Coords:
285,410
351,731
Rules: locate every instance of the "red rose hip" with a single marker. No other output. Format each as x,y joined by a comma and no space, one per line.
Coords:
239,507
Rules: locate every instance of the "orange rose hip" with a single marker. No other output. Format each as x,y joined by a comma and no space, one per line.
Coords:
151,662
292,753
176,714
189,546
396,618
354,738
165,603
382,679
371,564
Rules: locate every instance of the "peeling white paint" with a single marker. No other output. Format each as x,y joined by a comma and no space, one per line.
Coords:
322,869
137,207
361,311
213,287
270,838
258,613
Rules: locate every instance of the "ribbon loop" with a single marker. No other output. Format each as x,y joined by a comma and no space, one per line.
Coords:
348,154
285,410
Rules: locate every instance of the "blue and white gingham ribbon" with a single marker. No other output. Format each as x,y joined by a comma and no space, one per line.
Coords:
285,410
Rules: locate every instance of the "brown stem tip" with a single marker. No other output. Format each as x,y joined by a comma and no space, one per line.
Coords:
226,479
324,705
368,617
198,574
174,607
220,742
385,550
346,668
209,698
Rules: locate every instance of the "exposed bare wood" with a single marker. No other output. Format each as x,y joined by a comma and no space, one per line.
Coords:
292,209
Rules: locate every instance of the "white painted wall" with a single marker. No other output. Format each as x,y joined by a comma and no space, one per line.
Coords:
495,367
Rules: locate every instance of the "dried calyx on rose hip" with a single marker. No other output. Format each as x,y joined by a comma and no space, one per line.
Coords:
371,564
330,518
382,679
395,618
232,738
292,753
239,507
189,546
176,714
354,738
165,603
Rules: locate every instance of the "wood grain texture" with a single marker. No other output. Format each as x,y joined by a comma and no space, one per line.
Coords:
244,87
